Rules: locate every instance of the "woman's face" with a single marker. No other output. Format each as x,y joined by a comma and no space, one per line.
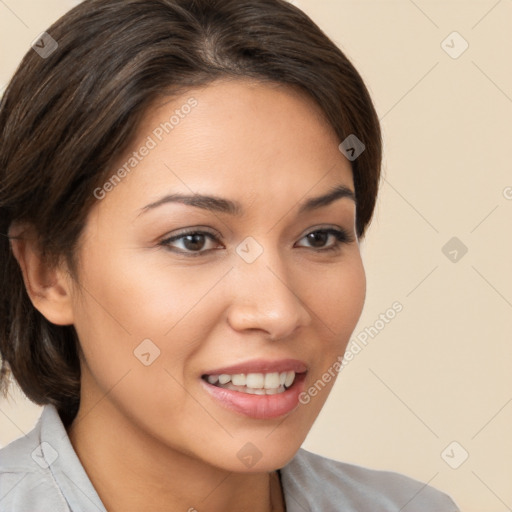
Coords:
260,280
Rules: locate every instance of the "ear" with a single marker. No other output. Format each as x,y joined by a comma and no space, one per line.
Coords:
48,289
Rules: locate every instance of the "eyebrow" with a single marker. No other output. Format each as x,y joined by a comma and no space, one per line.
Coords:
221,205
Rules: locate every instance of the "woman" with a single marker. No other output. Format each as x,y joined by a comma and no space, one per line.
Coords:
184,185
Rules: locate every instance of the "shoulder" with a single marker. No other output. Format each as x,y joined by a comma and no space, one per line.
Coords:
316,483
26,481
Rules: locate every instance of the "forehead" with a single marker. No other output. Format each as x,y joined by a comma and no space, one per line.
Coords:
240,138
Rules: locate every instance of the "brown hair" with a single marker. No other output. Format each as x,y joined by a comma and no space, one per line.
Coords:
67,117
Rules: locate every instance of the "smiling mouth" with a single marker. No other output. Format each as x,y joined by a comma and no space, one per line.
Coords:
271,383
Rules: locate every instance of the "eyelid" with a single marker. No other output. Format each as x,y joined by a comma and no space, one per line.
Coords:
193,230
327,227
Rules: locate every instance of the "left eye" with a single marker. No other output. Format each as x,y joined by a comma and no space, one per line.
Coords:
319,238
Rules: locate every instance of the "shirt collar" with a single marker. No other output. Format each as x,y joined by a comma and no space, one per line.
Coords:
65,466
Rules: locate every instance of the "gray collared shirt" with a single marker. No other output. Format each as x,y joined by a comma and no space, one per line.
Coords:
41,472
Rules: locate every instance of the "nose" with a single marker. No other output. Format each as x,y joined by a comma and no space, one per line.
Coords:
265,299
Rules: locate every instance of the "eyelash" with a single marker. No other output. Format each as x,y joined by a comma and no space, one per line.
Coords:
342,237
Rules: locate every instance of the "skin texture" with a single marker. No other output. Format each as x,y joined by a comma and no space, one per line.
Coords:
150,437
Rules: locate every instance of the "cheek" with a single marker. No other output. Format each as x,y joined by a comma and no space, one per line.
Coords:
125,305
338,302
337,298
126,301
144,299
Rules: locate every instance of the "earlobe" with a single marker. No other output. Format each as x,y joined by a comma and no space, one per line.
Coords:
49,289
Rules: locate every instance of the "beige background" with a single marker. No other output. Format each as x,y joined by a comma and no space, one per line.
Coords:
440,370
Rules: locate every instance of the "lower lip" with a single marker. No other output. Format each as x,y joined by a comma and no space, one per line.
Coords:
259,406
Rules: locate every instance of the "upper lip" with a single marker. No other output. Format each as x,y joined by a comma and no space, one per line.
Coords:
261,366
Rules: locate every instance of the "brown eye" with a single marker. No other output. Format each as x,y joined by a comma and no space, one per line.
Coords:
319,239
192,242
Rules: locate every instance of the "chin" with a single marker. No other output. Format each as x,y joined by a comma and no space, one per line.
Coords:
264,451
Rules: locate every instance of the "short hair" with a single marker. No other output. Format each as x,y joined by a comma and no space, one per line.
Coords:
67,117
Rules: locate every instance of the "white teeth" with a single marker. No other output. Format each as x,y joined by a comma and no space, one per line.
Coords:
224,379
290,376
272,380
255,380
238,379
212,379
252,391
255,383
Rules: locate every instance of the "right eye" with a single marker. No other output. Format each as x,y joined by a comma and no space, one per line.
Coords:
191,243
